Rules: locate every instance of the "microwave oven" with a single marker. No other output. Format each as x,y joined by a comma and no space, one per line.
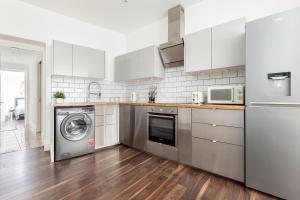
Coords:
229,94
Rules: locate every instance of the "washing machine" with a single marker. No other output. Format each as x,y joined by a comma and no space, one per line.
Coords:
74,132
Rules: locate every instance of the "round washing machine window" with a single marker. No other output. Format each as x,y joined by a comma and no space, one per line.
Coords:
75,127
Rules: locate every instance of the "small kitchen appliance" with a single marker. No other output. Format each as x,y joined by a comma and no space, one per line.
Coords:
133,97
226,94
198,97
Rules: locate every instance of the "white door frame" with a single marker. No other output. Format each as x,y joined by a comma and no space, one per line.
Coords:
9,41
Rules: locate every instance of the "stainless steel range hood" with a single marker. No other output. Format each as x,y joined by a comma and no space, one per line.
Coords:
172,52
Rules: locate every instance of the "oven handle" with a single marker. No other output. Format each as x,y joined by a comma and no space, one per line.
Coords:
161,116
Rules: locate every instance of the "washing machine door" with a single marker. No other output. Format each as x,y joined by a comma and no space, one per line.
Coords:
75,127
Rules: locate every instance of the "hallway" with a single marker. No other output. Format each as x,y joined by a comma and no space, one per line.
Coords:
13,137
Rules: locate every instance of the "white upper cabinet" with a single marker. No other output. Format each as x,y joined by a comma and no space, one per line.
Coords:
228,44
197,51
141,64
218,47
88,62
74,60
62,58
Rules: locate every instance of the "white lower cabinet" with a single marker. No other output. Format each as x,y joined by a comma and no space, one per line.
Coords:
106,126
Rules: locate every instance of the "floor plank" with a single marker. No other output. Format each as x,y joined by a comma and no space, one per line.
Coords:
116,173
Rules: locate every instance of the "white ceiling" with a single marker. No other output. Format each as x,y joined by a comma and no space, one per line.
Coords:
113,14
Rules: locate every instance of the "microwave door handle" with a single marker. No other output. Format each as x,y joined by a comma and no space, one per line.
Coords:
232,95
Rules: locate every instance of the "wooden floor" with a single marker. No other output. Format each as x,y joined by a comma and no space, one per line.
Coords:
117,173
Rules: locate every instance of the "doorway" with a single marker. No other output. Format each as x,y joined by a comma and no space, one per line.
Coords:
20,99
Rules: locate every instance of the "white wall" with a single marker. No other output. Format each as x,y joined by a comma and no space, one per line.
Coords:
206,14
26,21
30,22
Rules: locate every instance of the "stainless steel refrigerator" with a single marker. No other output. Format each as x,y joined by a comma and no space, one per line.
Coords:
273,104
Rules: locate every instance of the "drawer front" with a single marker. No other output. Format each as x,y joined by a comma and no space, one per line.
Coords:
162,150
219,158
233,118
231,135
99,110
99,120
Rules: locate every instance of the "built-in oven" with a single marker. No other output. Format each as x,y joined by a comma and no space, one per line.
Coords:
162,125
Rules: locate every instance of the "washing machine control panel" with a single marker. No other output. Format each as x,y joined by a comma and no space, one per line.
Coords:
62,113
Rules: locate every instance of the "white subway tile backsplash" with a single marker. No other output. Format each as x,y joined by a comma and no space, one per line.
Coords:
222,81
237,80
209,82
177,87
230,73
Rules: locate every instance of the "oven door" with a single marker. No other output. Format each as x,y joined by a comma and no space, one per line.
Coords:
162,128
221,95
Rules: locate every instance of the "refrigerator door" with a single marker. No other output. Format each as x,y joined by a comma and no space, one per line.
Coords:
273,150
272,50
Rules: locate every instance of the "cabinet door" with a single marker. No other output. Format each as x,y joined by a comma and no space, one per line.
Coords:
140,128
140,64
184,135
133,66
197,51
228,44
99,137
121,68
126,124
144,67
62,59
88,62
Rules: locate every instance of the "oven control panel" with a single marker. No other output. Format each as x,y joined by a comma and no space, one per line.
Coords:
163,110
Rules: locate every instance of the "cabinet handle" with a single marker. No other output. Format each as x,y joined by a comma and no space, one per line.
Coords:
214,125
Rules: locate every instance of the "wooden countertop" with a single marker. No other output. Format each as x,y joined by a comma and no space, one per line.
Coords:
200,106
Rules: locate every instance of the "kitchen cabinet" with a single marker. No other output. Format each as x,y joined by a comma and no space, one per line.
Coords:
62,58
140,127
220,158
140,64
78,61
126,124
218,142
228,44
162,150
88,62
197,51
106,126
133,126
184,135
217,47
